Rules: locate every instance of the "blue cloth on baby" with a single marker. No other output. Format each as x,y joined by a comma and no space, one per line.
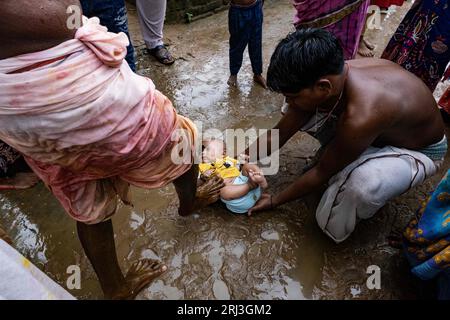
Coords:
243,204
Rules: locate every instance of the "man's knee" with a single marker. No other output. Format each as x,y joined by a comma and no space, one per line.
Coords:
360,197
365,187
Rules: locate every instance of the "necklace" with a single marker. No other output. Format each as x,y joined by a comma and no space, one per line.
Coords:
335,105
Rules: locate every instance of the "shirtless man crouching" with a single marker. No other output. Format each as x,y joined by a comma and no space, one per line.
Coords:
379,126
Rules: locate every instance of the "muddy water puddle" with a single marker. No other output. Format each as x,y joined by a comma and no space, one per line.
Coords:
214,254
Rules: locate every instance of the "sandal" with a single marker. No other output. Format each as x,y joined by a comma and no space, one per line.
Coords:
162,55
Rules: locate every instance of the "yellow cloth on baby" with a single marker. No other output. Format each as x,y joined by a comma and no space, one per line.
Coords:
225,168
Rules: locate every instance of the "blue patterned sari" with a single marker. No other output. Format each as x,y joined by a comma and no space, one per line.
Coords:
427,239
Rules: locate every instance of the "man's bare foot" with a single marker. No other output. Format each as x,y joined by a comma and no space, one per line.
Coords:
258,178
22,180
232,81
259,79
139,276
364,51
4,236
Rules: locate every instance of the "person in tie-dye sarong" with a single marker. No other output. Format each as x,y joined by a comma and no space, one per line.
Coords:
427,239
344,18
89,127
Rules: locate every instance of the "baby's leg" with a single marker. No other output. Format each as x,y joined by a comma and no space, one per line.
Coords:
237,191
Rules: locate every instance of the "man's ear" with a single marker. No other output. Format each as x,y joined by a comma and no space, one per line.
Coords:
324,85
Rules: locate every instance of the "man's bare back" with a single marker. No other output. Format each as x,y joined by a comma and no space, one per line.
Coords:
31,26
380,91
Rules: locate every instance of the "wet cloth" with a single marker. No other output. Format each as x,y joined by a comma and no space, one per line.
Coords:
88,125
421,44
427,239
243,204
21,280
344,18
225,168
364,186
245,26
113,15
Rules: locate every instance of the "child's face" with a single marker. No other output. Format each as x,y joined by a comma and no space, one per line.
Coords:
214,149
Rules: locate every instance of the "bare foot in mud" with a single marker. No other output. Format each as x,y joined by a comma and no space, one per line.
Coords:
232,81
22,180
258,178
208,192
369,44
4,236
139,276
364,49
259,79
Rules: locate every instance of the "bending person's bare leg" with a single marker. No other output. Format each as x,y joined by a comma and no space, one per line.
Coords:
193,197
98,243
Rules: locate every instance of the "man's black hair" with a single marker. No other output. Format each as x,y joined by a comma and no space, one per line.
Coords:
302,58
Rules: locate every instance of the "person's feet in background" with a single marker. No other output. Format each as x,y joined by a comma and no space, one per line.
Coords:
365,48
151,14
232,80
245,20
113,15
259,79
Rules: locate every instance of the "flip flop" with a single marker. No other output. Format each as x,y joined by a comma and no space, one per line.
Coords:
162,55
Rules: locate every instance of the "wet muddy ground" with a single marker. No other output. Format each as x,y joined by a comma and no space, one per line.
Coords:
213,253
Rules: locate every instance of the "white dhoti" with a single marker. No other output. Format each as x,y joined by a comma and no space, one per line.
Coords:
364,186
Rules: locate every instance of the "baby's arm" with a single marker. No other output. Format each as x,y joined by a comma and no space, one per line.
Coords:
232,192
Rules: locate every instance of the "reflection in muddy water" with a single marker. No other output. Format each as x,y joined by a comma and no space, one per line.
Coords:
214,254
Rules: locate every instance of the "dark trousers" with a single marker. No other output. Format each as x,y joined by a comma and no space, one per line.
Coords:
113,15
245,25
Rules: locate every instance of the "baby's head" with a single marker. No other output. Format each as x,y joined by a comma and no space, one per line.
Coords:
212,150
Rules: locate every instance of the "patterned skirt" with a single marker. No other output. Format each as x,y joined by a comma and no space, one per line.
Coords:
421,42
427,239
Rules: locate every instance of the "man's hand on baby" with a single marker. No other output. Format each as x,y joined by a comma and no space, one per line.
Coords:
264,203
210,190
206,175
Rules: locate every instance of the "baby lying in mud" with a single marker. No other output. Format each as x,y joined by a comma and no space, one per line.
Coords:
243,183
